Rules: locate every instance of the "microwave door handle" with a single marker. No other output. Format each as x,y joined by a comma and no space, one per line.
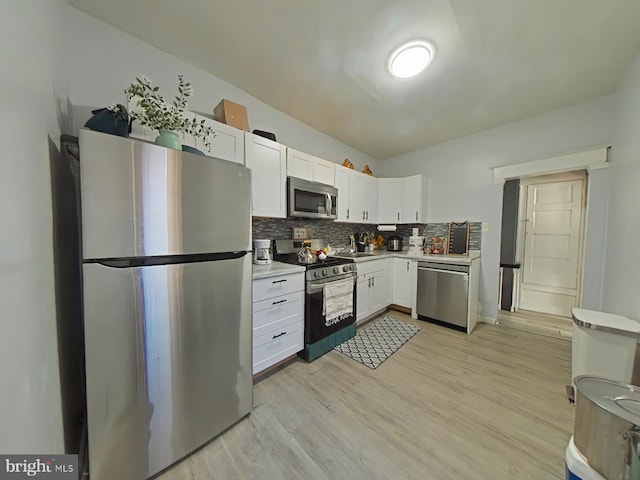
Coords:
329,206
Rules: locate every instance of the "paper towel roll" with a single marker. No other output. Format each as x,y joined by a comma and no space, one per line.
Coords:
387,228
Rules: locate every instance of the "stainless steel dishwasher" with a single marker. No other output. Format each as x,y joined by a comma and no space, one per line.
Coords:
443,291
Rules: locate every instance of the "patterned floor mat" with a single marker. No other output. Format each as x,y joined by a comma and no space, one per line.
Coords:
374,344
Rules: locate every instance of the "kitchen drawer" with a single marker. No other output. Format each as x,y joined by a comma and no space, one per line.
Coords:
278,343
286,307
370,266
276,286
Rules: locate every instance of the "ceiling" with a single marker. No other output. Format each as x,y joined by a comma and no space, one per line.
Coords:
324,62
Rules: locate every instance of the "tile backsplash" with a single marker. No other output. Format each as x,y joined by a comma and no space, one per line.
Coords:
338,233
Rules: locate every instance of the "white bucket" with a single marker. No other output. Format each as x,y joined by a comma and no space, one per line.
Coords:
577,467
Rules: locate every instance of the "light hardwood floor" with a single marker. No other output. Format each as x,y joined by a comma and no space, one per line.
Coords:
491,405
534,322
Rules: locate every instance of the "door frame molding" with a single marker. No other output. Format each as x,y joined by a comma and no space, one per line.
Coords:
589,159
592,159
520,230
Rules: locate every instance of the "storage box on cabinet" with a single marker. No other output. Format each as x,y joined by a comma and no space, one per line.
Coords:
278,319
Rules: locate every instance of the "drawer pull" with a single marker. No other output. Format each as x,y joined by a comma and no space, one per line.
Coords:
279,335
279,281
279,301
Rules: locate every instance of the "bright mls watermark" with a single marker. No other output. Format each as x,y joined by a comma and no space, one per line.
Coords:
41,467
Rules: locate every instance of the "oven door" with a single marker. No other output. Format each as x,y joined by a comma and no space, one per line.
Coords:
314,321
311,200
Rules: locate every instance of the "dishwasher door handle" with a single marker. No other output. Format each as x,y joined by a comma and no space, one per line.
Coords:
449,272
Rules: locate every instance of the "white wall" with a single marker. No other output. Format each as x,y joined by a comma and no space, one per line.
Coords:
461,183
622,266
31,83
598,187
106,60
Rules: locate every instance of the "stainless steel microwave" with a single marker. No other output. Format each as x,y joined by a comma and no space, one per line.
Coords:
311,199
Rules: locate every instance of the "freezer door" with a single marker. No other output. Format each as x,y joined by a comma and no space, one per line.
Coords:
168,361
140,199
442,295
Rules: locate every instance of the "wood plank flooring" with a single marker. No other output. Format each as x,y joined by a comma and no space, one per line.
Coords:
490,405
535,322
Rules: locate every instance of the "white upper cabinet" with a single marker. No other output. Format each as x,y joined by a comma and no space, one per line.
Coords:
401,200
412,199
228,143
309,167
267,161
389,200
370,198
324,171
357,196
300,164
356,212
342,184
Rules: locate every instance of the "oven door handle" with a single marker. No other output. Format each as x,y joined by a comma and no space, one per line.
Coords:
320,285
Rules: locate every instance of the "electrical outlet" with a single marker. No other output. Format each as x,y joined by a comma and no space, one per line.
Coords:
485,227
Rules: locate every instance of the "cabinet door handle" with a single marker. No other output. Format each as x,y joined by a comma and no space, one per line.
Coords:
398,216
373,282
279,281
348,213
279,301
279,335
416,215
367,214
369,283
407,265
362,214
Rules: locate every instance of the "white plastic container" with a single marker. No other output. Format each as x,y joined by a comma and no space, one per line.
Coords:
603,345
577,467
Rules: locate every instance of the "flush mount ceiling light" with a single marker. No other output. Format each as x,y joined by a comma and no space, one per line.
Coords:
410,59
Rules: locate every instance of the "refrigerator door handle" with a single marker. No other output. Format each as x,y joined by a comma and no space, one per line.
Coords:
166,260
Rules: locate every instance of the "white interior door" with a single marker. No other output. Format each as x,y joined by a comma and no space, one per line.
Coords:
551,265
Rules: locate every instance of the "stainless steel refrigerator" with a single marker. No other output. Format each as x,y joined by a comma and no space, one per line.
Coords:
166,272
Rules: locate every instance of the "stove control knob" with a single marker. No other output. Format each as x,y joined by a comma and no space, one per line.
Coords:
324,272
315,274
345,268
336,269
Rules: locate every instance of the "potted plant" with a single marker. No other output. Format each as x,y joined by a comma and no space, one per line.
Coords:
153,111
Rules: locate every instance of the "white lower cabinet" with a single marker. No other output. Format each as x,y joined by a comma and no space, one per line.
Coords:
402,280
370,289
388,281
278,319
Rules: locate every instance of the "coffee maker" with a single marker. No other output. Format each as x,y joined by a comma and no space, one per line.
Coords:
261,254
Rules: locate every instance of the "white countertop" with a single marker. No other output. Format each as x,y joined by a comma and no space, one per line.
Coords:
453,259
274,269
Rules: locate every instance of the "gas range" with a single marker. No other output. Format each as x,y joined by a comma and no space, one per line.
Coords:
321,334
286,251
330,267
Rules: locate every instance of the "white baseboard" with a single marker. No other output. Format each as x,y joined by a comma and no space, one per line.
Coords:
492,321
